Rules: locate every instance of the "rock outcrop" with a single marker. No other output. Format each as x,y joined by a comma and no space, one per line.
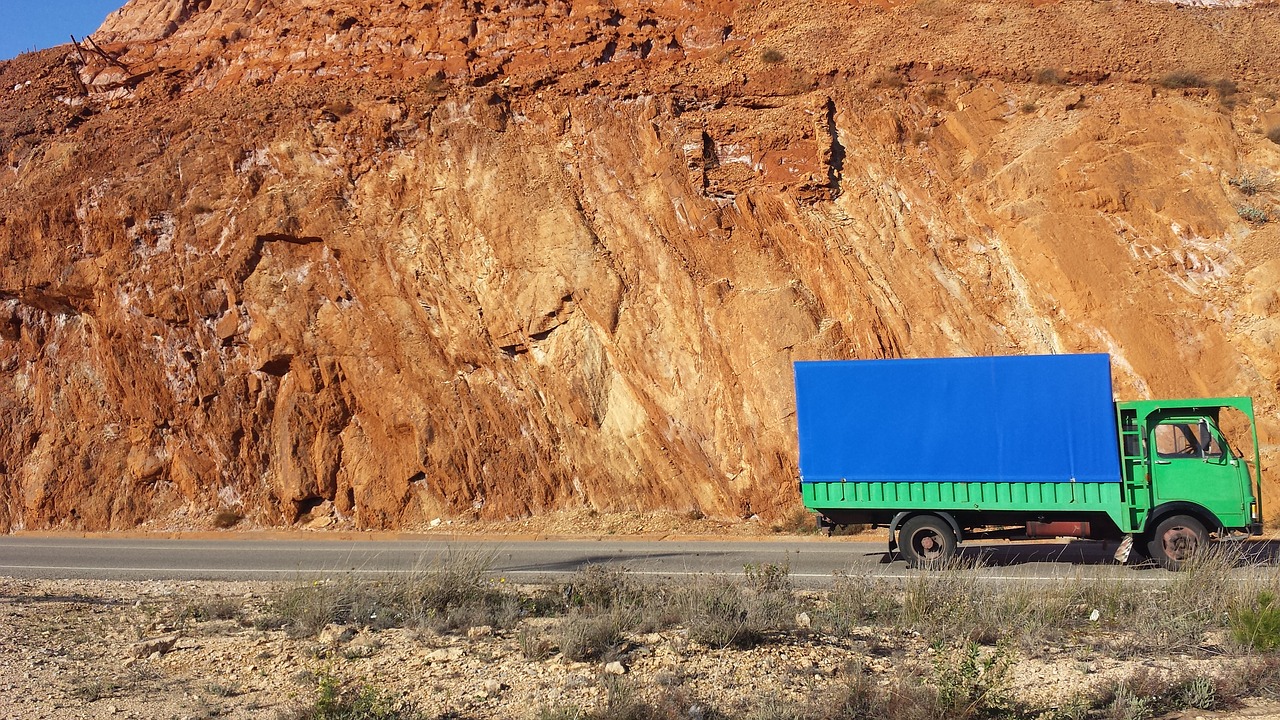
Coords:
400,261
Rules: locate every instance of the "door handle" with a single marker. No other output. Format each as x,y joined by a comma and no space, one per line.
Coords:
1164,462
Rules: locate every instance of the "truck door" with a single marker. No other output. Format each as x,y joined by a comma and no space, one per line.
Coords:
1190,462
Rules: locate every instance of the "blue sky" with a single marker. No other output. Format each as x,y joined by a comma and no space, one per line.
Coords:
38,24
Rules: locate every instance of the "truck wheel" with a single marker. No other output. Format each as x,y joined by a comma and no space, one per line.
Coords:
1175,540
926,541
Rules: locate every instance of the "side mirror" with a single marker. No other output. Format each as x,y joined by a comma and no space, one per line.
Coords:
1205,437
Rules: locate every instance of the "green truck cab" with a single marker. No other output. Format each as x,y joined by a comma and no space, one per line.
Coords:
945,450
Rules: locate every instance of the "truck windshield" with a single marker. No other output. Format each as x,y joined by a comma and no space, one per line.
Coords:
1186,439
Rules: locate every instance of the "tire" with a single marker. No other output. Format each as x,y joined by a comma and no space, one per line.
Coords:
926,541
1175,540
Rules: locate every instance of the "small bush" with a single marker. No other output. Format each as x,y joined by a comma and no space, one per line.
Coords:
888,79
1273,134
597,587
771,56
1200,693
1257,626
1047,76
533,645
1253,214
972,682
855,600
207,609
800,521
227,518
1183,79
453,594
584,637
334,701
1247,184
1027,107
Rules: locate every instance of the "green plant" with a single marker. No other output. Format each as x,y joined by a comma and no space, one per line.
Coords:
1200,693
1128,705
972,682
336,701
1247,184
1253,214
1027,107
1257,626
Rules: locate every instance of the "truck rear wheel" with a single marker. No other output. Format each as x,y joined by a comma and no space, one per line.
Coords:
1175,540
926,541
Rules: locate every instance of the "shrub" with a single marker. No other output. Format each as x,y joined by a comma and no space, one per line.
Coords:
855,600
972,683
597,587
1257,626
334,701
1247,184
584,637
1253,214
1183,79
771,56
533,645
1047,76
227,518
453,594
1273,134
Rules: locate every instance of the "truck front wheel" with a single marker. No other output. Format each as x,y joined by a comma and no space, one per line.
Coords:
1176,539
926,541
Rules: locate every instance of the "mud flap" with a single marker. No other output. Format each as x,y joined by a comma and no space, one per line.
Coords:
1126,547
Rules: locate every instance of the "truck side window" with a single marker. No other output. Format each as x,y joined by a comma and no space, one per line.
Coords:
1181,439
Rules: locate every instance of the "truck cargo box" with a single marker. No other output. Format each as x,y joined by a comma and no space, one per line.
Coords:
1037,418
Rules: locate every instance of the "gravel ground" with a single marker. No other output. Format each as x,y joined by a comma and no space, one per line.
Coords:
109,649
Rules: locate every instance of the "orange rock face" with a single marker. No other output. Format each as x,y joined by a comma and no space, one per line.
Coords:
403,261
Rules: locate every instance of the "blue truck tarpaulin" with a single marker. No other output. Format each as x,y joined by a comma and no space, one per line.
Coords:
1032,418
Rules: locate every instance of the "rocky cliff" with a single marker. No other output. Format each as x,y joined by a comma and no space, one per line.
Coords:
389,262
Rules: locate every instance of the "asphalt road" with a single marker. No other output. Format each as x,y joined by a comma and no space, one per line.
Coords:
812,562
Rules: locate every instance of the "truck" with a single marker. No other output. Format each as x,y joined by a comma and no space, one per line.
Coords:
946,450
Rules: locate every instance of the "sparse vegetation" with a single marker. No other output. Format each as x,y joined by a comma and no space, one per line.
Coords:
944,643
227,518
1248,184
1047,76
452,595
1253,214
337,701
1257,625
1027,107
1273,134
1182,79
771,56
888,79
